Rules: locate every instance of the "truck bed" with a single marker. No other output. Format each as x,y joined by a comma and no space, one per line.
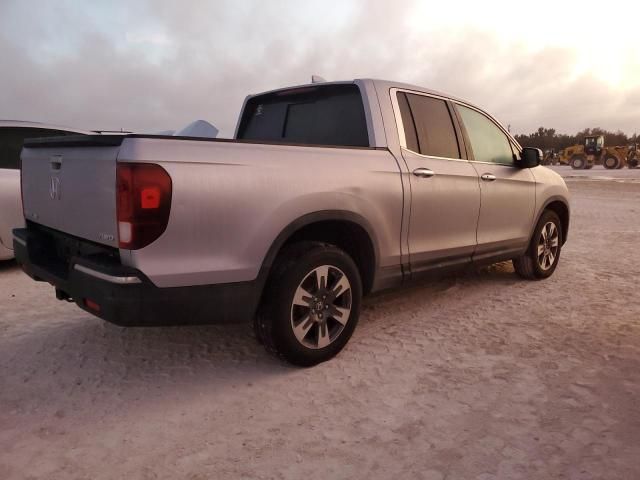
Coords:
230,199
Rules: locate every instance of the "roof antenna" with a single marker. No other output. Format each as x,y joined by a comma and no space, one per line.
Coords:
317,79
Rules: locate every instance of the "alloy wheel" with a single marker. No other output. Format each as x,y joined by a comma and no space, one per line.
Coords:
548,244
321,307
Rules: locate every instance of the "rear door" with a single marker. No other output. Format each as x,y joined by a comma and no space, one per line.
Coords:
445,194
508,192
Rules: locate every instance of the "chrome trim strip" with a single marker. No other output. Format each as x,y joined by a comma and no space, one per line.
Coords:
434,157
20,241
396,112
106,277
490,118
493,163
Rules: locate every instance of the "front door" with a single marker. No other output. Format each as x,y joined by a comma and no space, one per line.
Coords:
507,191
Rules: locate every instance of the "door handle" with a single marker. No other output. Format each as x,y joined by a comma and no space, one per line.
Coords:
423,172
56,162
488,177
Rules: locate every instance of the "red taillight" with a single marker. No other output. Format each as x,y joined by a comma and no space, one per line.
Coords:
143,203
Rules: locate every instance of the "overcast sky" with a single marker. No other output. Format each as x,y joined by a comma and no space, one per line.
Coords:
157,65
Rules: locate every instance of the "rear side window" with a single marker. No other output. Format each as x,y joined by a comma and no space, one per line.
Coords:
322,115
428,126
12,138
488,142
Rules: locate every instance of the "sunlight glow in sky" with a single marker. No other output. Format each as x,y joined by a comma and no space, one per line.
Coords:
159,64
604,37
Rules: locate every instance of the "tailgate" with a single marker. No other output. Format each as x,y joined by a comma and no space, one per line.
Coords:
69,184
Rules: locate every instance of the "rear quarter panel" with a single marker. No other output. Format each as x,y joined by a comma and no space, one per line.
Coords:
231,200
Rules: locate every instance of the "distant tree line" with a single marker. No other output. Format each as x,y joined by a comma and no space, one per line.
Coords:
549,138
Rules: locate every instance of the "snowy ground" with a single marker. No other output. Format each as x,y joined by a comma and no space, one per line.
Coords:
598,172
478,376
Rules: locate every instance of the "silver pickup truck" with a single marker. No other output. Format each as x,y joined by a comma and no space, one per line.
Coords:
327,192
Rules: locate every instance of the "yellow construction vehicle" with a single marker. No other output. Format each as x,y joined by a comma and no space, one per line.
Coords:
550,157
633,157
593,152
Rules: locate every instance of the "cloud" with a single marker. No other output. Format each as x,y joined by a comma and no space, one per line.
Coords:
159,65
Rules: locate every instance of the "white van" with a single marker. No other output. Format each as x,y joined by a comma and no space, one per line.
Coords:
12,134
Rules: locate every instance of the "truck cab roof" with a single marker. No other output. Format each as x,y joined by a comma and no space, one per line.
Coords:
377,105
378,83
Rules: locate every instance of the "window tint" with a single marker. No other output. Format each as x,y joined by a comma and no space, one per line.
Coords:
410,135
323,115
11,139
434,129
488,142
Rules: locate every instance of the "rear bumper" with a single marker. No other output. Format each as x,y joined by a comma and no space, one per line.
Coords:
125,296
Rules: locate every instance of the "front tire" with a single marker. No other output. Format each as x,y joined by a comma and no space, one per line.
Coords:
577,162
311,304
542,256
611,163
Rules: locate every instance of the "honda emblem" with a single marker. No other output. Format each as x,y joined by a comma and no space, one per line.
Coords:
54,188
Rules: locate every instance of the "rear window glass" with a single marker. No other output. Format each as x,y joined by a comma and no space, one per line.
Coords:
323,115
12,138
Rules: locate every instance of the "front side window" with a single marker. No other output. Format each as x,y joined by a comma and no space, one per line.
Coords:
428,126
488,142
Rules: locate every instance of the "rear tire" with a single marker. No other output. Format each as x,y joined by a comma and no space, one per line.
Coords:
542,256
311,304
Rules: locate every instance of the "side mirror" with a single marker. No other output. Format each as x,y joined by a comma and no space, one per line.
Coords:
530,157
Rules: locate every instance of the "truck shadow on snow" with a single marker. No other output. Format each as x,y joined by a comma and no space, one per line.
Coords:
7,265
81,353
486,277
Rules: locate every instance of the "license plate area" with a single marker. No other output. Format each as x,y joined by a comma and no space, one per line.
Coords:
56,252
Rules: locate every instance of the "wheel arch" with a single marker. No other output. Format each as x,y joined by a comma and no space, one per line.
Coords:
560,207
347,230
